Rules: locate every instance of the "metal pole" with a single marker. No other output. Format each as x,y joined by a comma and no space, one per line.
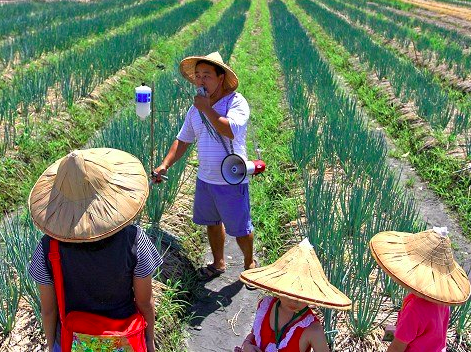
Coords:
152,118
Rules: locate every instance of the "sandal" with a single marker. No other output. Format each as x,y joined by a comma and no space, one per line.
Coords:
250,287
209,272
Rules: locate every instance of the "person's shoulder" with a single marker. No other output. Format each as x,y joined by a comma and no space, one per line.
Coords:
421,305
238,97
314,332
265,300
413,301
315,327
192,110
131,231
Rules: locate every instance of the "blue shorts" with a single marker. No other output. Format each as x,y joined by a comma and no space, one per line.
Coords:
227,204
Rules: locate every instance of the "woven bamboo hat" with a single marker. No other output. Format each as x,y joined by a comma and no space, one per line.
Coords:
188,65
89,195
298,275
423,263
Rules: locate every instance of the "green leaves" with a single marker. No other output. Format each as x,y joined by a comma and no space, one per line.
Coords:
350,192
20,239
9,297
78,71
408,83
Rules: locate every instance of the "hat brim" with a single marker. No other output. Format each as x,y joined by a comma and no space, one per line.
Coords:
293,296
100,214
298,275
188,65
419,277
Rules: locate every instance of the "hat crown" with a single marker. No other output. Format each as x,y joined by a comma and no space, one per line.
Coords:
215,56
432,246
298,275
89,195
77,179
423,263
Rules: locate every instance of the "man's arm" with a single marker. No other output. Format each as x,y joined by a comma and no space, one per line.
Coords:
47,296
175,152
220,123
145,304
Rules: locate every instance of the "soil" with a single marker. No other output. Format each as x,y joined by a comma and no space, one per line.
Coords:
224,309
458,150
430,17
26,335
443,8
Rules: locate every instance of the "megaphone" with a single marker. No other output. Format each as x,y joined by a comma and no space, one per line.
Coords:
234,168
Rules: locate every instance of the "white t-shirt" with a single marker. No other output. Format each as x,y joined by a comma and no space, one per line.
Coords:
211,152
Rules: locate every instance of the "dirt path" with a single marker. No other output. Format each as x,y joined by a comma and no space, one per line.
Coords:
431,208
437,19
434,212
224,310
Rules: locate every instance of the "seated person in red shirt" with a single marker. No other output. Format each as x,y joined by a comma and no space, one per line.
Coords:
285,322
423,264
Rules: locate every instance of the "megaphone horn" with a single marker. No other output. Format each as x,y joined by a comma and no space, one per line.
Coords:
234,168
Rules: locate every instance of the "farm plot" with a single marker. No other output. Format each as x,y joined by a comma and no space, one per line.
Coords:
19,237
339,160
338,177
422,100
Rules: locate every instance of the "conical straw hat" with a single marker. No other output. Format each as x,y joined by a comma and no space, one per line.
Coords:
298,275
89,195
423,263
188,64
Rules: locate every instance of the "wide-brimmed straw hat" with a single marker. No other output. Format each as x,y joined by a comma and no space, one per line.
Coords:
298,275
423,263
89,195
188,64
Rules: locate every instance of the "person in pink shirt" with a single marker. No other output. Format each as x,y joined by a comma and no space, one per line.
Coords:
423,264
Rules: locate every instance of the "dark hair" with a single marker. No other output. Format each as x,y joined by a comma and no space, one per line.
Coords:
219,69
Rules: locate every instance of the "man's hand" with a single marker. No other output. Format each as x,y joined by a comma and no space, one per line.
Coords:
202,103
158,172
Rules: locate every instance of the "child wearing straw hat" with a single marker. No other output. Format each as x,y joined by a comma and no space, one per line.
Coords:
284,321
423,264
84,203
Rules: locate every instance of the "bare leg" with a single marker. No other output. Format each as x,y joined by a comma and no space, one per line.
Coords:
246,245
216,237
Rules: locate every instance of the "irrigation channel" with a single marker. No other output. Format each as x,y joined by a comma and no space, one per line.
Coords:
357,134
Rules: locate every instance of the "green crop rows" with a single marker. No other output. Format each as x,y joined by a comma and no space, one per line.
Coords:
69,71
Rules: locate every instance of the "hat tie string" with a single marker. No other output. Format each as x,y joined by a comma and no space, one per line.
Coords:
279,334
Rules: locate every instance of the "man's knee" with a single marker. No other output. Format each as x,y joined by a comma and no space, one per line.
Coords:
246,238
215,229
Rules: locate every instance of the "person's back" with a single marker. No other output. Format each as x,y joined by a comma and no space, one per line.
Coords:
422,325
422,263
98,276
91,264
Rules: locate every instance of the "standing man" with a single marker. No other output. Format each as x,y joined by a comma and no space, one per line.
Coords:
217,121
